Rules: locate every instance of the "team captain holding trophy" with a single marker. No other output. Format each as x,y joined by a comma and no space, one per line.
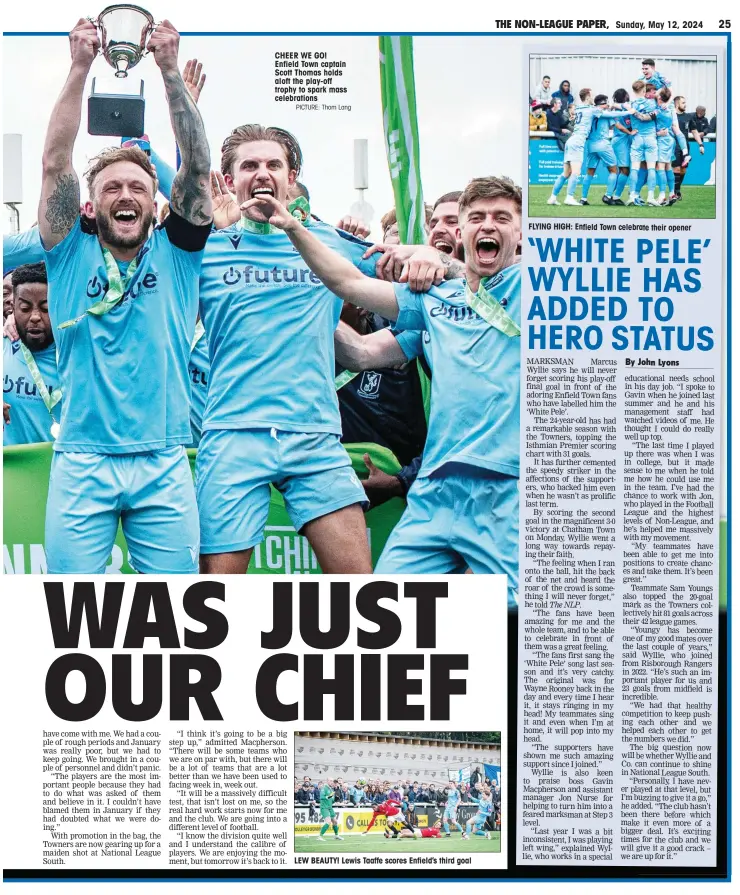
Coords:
123,305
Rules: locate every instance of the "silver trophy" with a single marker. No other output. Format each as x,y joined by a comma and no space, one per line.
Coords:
124,32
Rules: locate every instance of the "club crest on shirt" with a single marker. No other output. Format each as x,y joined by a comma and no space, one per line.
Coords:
369,384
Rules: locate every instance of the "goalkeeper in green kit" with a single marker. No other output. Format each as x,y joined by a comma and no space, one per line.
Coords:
326,807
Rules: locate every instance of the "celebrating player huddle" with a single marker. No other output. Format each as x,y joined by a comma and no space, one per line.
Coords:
129,305
642,148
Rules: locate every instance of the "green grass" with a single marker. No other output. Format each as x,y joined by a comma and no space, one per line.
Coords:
697,202
378,845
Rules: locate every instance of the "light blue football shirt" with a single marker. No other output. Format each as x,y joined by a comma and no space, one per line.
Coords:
270,323
124,374
199,371
22,248
30,421
586,115
646,106
601,124
656,78
453,797
474,413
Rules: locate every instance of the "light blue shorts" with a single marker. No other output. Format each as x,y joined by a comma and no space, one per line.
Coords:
601,152
574,151
622,152
479,820
666,148
644,149
234,470
450,813
152,495
460,517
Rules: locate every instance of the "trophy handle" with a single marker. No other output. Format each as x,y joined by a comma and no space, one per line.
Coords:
149,31
96,22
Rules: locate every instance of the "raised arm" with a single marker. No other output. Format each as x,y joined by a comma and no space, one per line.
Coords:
59,206
339,275
375,351
191,188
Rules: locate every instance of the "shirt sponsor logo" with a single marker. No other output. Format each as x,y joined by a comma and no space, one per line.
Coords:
21,386
97,287
249,276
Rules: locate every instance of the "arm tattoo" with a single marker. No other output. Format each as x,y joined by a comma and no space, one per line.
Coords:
63,205
191,188
454,270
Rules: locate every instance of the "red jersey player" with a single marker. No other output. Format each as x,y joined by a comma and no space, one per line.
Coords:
390,809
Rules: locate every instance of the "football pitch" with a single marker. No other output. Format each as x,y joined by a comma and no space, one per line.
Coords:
697,202
379,845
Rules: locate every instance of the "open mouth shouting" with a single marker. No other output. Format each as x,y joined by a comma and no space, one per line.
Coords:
443,245
486,249
126,218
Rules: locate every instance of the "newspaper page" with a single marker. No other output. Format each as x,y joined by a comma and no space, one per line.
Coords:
434,348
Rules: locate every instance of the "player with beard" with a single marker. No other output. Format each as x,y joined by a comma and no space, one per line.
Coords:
271,396
123,305
443,227
463,509
31,393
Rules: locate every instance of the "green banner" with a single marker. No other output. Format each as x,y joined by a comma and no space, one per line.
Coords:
283,550
401,130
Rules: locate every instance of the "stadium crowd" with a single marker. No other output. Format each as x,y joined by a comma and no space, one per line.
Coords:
642,142
408,794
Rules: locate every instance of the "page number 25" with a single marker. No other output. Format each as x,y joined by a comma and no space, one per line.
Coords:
724,23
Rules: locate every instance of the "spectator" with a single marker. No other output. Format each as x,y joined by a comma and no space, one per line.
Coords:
558,121
389,228
542,96
476,776
338,789
699,126
305,794
713,125
411,794
564,95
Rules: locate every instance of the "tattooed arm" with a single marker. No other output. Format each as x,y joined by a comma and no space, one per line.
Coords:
59,205
454,269
191,188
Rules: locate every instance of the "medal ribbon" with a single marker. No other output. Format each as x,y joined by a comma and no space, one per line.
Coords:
117,285
486,306
343,378
200,331
50,399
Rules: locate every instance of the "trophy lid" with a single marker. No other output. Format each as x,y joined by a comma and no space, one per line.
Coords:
124,29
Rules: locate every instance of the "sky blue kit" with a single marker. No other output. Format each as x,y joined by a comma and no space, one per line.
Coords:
585,116
645,142
30,420
463,509
125,418
270,324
